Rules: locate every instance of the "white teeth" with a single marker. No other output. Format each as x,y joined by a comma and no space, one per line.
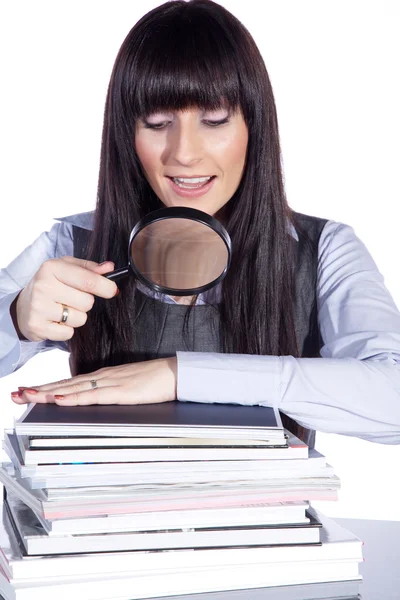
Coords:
191,179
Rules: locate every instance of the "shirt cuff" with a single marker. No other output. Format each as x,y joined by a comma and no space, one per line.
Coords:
228,378
10,347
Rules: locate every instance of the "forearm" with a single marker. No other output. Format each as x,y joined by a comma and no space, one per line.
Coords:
346,396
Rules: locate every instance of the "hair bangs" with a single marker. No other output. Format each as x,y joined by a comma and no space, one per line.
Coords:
184,64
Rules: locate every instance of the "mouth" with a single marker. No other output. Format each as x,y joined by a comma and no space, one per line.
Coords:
191,183
191,187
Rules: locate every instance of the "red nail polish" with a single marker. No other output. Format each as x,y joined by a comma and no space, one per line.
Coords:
58,397
116,293
28,390
16,394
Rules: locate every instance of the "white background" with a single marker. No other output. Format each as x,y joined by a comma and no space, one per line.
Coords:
334,67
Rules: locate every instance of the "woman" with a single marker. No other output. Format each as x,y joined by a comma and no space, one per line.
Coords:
190,104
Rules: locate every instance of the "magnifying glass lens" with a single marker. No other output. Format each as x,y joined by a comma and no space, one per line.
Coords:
180,254
177,250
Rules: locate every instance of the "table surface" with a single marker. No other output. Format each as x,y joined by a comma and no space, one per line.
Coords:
381,550
380,570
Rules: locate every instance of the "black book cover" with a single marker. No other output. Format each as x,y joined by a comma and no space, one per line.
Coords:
167,413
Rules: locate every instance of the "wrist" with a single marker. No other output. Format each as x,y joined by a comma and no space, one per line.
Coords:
14,317
171,364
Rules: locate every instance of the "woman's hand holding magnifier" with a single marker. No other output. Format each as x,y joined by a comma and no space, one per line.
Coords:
59,296
175,250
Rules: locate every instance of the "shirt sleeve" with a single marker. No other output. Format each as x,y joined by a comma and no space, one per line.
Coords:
52,244
354,389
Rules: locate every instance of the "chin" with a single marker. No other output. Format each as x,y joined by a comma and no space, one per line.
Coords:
203,204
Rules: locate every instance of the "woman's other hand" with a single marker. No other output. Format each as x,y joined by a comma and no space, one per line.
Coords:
148,382
60,282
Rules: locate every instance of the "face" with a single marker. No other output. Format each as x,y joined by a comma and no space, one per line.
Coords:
193,158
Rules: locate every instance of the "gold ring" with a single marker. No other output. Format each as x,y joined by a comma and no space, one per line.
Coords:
64,315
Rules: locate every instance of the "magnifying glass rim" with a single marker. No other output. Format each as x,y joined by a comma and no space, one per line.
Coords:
180,212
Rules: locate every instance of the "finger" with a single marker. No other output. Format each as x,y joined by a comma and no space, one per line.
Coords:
24,400
80,278
71,297
45,320
79,380
29,397
103,267
104,395
18,399
72,387
57,332
75,318
53,384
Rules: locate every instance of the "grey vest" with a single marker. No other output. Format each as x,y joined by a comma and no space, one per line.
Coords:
159,328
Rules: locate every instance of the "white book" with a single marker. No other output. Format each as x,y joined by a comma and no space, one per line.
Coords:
182,581
148,500
187,453
37,541
268,514
124,442
122,491
337,545
229,478
158,478
334,590
315,464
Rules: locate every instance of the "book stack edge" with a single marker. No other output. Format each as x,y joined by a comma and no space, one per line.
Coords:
157,501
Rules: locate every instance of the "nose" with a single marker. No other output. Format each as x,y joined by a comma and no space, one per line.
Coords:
185,144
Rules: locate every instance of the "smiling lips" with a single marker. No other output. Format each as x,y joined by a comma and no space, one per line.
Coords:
191,182
191,186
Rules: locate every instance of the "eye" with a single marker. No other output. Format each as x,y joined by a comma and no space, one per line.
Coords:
161,125
216,123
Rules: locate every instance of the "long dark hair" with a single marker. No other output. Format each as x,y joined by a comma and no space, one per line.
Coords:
194,54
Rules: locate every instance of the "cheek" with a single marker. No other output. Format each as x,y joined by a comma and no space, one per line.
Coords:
148,156
235,155
144,154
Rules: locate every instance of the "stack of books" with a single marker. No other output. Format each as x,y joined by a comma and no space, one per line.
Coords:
126,502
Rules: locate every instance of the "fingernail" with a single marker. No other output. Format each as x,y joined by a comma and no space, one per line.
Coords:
28,390
106,262
58,397
116,293
15,394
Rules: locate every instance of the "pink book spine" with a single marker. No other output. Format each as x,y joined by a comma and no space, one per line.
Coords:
187,503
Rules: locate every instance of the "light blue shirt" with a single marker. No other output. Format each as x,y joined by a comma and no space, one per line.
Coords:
354,390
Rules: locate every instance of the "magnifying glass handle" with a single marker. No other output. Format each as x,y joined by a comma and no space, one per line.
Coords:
118,274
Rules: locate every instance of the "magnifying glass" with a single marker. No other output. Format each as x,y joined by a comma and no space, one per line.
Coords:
178,251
